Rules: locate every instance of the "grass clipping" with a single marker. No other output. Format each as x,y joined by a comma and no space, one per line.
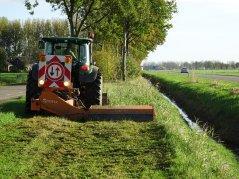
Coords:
50,146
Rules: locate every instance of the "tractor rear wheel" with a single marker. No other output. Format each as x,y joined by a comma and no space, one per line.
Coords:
32,91
92,93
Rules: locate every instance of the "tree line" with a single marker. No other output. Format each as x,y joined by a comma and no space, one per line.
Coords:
125,30
19,40
197,65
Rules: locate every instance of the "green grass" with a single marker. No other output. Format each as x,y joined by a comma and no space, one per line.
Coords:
52,146
218,72
13,78
214,102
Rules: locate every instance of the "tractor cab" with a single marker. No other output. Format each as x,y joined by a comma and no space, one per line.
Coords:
78,48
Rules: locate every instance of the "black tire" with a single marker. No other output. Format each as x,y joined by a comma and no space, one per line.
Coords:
91,94
32,91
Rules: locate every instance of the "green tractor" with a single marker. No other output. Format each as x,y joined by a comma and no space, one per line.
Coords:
66,68
65,82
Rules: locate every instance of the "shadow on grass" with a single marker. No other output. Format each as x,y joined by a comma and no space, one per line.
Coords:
161,148
16,107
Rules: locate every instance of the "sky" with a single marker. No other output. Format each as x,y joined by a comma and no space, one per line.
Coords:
202,29
15,9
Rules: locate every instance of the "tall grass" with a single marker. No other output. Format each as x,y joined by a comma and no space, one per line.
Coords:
213,102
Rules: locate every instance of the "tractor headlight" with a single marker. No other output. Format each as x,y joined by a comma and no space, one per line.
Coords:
66,83
41,82
42,57
68,59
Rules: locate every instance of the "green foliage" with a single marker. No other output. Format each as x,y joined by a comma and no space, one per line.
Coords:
11,37
134,27
3,59
34,29
81,15
133,68
108,62
20,40
143,24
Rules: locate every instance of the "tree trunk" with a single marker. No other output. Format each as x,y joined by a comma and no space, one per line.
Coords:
124,60
72,28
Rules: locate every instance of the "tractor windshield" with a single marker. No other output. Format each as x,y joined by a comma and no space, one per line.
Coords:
78,52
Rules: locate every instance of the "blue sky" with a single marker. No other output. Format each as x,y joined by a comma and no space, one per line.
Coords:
203,29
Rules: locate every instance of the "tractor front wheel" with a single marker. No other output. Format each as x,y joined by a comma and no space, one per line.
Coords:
32,91
92,92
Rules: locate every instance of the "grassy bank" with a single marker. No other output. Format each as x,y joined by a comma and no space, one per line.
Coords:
211,101
218,72
51,146
13,78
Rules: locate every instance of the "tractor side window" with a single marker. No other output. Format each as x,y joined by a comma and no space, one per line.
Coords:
84,54
48,50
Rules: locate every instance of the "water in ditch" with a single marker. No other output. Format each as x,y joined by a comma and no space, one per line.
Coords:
195,126
190,123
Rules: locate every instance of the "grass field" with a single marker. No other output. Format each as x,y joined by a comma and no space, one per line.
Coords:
13,78
218,72
211,101
51,146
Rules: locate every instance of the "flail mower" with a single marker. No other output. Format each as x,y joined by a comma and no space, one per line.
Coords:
66,82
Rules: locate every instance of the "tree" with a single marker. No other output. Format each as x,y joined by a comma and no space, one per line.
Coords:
3,59
34,29
81,14
11,37
132,28
138,25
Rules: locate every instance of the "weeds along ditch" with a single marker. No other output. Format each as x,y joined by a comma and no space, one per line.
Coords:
165,148
213,103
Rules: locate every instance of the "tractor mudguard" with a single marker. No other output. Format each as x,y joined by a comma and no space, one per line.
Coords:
35,68
88,78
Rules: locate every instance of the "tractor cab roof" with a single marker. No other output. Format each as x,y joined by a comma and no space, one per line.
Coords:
75,40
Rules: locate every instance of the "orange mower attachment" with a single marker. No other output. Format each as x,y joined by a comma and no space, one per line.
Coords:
52,103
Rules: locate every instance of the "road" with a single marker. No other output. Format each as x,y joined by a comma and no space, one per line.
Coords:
221,77
11,92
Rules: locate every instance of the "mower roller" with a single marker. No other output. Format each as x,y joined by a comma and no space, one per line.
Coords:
65,82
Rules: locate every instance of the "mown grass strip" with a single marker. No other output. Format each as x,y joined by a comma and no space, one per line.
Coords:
51,146
13,78
218,72
210,101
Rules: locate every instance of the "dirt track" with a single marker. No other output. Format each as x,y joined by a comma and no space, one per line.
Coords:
11,92
221,77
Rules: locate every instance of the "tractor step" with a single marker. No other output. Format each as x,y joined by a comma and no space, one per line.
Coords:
52,103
